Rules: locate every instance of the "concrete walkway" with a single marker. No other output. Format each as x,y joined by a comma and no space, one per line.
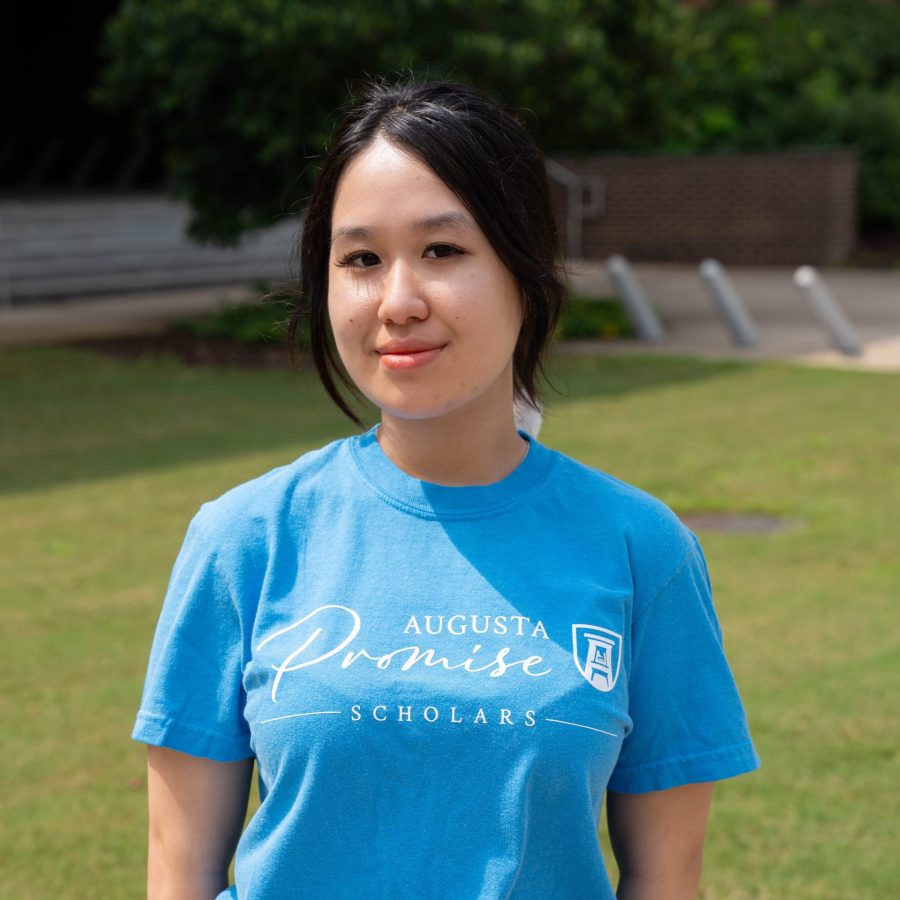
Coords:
870,299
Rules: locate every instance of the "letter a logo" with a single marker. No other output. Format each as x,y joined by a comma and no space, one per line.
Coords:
598,655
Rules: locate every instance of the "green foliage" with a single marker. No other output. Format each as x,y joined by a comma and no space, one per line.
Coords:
261,322
244,91
874,120
827,73
586,317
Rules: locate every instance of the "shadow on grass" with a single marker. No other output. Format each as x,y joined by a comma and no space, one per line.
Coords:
576,378
76,415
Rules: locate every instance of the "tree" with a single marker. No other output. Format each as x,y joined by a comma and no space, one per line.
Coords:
244,92
759,76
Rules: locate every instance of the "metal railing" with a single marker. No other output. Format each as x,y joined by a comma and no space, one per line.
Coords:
585,199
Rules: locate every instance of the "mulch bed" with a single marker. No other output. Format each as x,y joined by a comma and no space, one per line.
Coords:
193,350
736,522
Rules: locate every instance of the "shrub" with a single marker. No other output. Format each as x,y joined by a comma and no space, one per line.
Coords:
762,76
585,317
263,321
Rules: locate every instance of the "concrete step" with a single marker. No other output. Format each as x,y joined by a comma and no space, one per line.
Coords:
70,247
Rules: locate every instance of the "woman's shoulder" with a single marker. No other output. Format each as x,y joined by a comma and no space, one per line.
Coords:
632,504
260,501
653,534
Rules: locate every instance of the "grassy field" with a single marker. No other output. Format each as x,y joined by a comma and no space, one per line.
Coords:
103,462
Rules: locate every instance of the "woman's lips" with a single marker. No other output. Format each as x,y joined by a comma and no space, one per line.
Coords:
398,360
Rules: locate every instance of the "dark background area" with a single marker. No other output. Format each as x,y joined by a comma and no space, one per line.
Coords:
55,142
54,139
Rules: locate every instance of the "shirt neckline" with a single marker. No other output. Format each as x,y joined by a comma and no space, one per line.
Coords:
429,500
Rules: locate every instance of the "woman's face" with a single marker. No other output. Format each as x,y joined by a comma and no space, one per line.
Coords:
425,315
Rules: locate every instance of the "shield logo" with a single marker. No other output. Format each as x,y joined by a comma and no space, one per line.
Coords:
598,655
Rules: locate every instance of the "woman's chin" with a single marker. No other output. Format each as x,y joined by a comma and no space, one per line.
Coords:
460,404
419,412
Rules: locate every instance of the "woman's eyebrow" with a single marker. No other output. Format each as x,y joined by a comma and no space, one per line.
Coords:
442,220
429,223
351,233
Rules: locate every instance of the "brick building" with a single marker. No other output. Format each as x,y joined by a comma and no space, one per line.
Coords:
780,207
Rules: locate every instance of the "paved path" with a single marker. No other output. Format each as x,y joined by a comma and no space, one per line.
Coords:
788,329
870,298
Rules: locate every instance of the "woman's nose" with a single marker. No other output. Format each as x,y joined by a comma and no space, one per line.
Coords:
401,296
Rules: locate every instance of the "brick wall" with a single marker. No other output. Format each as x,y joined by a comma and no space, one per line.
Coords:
786,208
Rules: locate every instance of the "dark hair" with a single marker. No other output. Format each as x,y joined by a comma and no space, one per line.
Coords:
490,162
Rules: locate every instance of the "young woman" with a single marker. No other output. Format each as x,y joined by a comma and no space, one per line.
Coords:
442,642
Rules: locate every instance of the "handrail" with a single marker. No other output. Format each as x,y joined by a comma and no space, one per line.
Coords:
577,210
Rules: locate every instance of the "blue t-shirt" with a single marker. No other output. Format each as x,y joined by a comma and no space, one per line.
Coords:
440,683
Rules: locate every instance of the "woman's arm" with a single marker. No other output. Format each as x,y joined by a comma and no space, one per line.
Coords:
197,809
658,839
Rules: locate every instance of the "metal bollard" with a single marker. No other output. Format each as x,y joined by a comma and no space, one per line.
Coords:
729,303
827,310
637,307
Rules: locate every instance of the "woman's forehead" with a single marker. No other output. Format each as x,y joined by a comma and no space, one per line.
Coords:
384,184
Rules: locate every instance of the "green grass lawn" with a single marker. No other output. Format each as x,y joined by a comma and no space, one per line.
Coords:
102,464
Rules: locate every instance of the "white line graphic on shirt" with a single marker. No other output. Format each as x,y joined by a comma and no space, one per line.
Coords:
324,712
576,725
337,712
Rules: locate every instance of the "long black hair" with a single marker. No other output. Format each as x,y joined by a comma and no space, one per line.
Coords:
490,162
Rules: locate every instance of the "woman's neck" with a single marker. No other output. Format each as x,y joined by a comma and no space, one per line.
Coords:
453,453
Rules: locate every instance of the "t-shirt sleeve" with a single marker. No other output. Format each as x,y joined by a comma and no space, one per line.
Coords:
193,698
688,722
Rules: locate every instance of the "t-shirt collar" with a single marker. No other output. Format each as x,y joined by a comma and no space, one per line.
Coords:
424,498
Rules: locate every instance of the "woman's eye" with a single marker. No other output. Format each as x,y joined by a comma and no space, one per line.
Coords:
362,259
442,251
